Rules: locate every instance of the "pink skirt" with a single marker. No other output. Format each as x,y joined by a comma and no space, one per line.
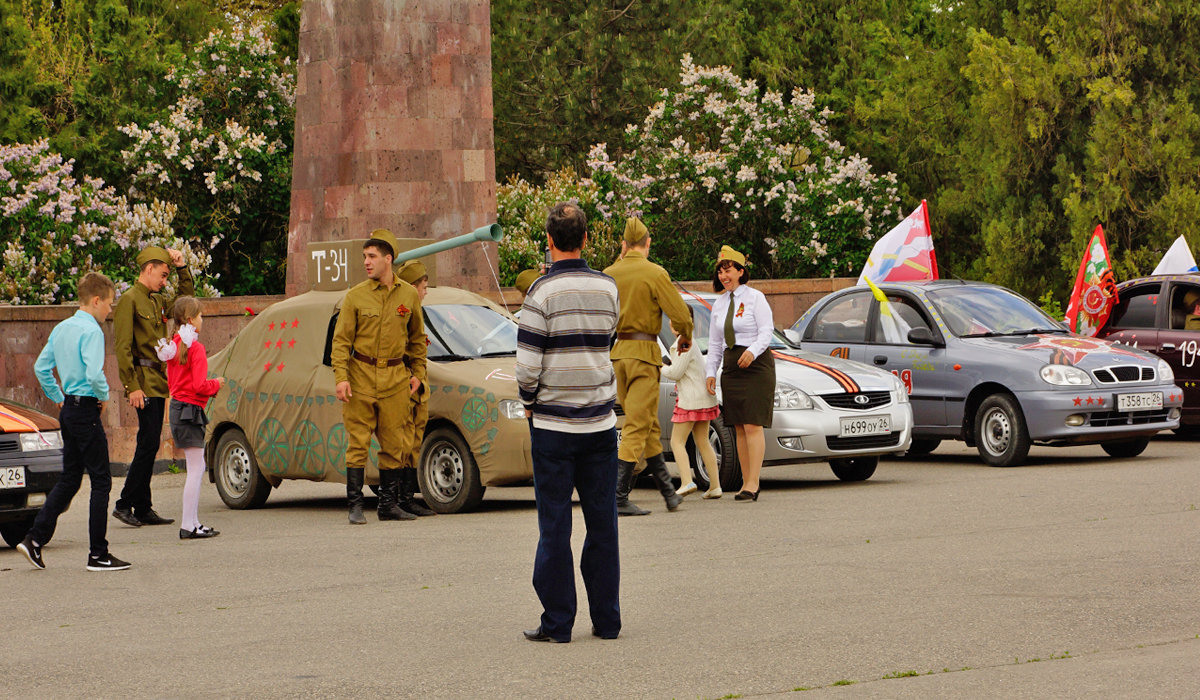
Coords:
681,415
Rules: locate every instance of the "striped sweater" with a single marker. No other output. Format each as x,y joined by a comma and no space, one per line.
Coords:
563,366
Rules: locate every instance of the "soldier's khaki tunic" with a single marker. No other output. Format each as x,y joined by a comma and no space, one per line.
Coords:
139,320
645,292
381,324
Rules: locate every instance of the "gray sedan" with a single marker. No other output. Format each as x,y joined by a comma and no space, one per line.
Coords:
984,365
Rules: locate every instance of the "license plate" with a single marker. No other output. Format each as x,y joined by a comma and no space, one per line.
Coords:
12,477
1145,401
867,425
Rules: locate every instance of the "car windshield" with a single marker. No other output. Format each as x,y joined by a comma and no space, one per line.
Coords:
973,312
466,332
700,318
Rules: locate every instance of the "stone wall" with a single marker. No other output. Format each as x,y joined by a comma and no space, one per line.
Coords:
394,129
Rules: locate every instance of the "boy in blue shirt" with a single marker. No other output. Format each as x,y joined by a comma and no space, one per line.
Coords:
76,350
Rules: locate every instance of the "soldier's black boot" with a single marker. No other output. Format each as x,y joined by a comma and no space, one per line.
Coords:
354,496
658,471
389,487
408,486
624,486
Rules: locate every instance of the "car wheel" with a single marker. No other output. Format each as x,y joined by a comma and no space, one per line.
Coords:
854,468
239,482
1123,449
449,478
16,530
720,436
922,447
1000,433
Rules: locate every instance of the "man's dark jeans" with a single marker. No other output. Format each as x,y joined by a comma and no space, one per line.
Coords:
587,463
85,448
136,494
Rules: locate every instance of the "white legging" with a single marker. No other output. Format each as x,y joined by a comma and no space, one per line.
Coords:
191,490
699,432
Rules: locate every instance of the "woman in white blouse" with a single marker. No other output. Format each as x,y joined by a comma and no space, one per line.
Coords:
739,335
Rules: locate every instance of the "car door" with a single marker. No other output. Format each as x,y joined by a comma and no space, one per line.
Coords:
920,366
1179,339
1135,319
839,328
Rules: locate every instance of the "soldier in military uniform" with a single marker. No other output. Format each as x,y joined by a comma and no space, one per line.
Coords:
645,292
139,320
414,273
378,359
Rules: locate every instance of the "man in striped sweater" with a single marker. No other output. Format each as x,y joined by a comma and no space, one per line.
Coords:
569,390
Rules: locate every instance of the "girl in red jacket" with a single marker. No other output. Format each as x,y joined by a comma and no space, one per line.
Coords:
187,378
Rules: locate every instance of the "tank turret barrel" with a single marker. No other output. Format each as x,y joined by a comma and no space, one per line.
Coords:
491,232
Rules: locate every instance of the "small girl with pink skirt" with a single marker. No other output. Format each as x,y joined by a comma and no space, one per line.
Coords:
694,408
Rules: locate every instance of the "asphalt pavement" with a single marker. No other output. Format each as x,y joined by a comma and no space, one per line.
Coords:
1071,577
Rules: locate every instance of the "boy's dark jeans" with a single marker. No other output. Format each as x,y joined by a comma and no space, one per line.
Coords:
85,448
136,494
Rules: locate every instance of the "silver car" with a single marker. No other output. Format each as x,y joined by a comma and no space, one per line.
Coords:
826,409
984,365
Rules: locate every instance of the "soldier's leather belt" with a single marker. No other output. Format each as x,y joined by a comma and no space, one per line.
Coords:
637,336
378,361
147,363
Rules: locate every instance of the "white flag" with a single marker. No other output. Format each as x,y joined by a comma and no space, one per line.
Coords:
1177,261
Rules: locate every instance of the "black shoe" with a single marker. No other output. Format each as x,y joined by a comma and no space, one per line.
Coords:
596,633
106,563
538,635
627,507
32,552
408,486
149,517
126,516
199,533
746,496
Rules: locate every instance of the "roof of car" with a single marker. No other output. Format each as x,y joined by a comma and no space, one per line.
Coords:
1180,277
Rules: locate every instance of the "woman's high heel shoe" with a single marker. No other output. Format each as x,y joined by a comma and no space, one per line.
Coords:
746,496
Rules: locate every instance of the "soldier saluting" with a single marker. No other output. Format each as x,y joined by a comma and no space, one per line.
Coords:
378,359
139,320
645,292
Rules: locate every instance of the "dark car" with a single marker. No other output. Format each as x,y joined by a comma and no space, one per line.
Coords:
984,365
30,464
1158,314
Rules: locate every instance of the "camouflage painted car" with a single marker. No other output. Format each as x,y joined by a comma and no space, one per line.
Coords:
277,417
30,463
984,365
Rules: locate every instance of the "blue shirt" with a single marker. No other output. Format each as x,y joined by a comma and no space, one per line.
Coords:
76,349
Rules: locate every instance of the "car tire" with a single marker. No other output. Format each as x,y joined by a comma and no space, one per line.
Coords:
239,482
922,447
720,436
1124,449
15,531
447,473
854,468
1000,432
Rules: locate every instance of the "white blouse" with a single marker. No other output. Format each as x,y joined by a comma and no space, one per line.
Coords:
753,324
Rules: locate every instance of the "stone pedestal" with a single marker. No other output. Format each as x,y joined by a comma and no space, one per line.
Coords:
394,129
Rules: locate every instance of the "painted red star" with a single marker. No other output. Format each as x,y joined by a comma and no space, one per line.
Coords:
267,345
267,367
291,343
278,344
271,326
295,322
279,367
1089,401
1100,400
1078,401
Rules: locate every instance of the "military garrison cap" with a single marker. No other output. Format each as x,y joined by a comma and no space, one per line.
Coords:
153,254
728,254
412,271
382,234
526,279
635,230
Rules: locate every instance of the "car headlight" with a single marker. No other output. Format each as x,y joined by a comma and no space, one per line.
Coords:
47,440
899,392
789,397
1065,375
1165,373
510,408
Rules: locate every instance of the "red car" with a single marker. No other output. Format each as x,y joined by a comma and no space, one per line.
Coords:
1161,314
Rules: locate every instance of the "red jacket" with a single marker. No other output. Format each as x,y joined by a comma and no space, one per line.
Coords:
190,383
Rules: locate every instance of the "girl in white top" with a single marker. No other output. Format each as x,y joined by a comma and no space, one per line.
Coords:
694,408
739,336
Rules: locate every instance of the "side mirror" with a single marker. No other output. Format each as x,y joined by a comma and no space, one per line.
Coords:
923,336
792,335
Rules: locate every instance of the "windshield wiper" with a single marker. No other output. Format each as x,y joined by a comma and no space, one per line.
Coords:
449,358
499,353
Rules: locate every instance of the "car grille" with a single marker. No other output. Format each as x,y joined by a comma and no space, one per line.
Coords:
9,444
1118,374
1113,418
863,442
875,399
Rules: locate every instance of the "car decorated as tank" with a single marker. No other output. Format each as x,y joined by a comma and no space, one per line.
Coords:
30,464
984,365
1161,314
827,409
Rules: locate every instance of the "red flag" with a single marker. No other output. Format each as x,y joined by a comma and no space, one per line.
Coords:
1095,293
903,254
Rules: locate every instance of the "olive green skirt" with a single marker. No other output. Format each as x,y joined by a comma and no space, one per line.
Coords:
748,395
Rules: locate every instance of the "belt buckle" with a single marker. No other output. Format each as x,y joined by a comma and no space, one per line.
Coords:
381,363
